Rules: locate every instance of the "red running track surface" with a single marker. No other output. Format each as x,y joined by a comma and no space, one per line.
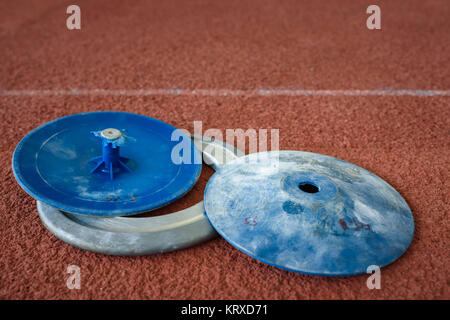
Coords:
233,45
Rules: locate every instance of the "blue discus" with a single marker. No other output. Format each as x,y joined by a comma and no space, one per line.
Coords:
106,163
308,213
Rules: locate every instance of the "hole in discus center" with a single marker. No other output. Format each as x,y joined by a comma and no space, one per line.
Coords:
308,187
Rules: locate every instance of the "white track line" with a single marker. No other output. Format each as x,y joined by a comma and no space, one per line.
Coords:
223,92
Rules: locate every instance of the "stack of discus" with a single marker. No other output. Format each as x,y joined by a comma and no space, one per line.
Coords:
298,211
91,172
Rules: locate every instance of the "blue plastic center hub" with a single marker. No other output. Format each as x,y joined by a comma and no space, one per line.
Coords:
110,161
69,164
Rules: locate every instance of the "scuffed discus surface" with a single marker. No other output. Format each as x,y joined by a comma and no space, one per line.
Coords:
343,221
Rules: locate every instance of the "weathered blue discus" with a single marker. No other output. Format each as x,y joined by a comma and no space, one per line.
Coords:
105,164
308,213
